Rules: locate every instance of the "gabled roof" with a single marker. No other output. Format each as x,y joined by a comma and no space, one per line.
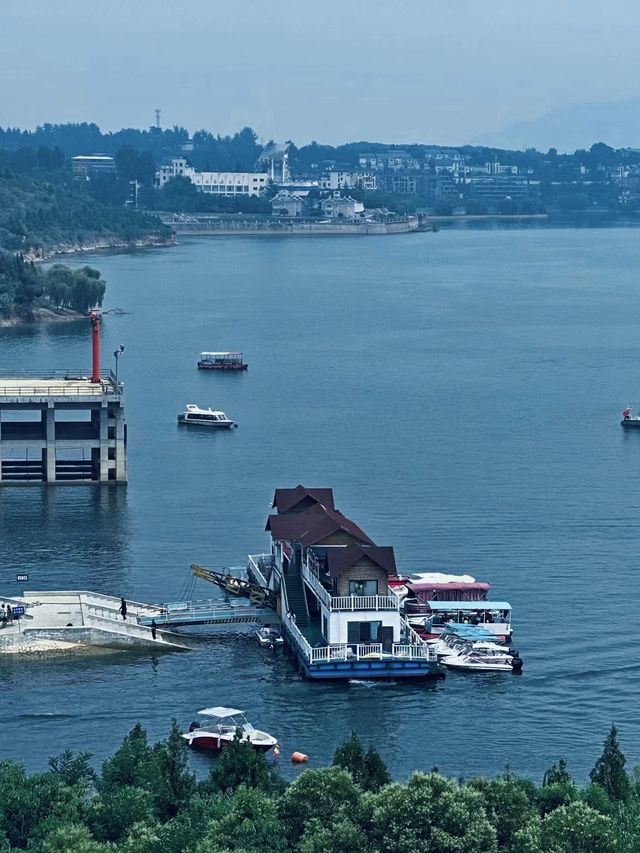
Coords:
313,526
339,559
286,500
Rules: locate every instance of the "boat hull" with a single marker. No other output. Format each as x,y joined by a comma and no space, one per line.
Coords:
630,423
210,743
202,365
207,424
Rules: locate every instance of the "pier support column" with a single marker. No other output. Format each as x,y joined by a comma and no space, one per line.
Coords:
121,458
103,474
50,427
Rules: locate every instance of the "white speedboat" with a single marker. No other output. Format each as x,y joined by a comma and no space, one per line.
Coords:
269,636
483,657
217,727
195,416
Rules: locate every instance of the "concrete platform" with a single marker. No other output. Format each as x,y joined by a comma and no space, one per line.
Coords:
69,620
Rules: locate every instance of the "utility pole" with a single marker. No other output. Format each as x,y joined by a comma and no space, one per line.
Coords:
117,354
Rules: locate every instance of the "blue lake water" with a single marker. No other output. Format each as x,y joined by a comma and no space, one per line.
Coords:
461,393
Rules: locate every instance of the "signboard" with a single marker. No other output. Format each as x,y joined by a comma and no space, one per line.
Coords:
17,611
22,578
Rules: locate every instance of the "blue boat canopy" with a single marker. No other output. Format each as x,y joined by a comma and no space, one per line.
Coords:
473,633
450,606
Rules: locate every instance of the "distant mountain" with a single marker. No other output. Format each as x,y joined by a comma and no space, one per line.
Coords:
616,123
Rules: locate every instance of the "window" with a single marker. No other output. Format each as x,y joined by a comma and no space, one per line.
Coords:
363,632
364,587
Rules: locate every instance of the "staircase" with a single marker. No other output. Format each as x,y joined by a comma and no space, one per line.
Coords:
296,597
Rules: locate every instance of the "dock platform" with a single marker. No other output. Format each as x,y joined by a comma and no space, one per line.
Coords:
64,620
60,427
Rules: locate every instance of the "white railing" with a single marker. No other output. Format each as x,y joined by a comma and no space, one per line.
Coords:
364,602
316,587
348,602
257,571
121,626
414,652
372,650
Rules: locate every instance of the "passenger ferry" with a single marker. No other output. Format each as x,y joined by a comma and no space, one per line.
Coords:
195,416
222,361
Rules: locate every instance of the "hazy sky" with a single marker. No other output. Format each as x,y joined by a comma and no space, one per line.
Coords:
331,70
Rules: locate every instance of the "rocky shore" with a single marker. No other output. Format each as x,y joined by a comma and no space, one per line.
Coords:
46,254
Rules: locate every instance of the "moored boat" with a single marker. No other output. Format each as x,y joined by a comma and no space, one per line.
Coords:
222,361
217,728
630,421
195,416
270,636
483,657
493,616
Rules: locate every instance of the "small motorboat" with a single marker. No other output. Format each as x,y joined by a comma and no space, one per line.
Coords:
630,421
483,657
195,416
270,636
217,728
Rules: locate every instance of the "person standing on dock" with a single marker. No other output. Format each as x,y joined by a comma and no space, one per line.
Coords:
123,608
154,628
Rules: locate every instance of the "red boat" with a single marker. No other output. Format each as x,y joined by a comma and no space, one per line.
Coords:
222,361
219,726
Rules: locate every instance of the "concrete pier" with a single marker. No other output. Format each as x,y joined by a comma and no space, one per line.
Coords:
72,620
61,427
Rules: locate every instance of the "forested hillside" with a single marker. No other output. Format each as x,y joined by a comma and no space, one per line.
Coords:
39,215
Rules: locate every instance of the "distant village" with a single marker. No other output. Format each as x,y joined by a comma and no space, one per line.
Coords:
431,179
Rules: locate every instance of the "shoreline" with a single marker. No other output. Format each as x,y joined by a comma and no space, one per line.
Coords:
63,249
42,314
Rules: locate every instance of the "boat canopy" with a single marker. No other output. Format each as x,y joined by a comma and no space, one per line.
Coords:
204,355
220,712
446,587
471,633
438,578
469,605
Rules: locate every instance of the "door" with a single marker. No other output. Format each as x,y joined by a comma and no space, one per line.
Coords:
386,638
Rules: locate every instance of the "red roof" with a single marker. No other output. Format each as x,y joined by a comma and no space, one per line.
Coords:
313,525
286,500
339,559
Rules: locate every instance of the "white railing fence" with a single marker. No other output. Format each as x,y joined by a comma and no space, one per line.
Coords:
348,602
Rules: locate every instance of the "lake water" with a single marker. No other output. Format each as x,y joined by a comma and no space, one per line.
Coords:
461,393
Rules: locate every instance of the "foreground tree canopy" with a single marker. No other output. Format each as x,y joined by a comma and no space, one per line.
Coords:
146,800
24,287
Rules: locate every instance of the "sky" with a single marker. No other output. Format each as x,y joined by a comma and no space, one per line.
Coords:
331,70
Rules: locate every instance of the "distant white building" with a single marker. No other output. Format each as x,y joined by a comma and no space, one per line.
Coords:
340,180
216,183
88,164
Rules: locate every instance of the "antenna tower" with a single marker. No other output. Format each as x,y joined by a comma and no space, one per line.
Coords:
157,112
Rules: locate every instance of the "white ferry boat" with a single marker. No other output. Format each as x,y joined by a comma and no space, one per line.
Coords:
195,416
221,361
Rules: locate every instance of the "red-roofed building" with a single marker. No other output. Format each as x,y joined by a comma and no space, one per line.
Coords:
301,498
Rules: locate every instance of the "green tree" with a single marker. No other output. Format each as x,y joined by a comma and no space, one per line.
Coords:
73,769
249,825
367,768
432,815
328,796
240,764
130,765
575,828
112,814
609,771
509,804
72,838
172,782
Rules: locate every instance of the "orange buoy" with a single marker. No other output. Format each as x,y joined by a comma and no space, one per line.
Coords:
299,758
